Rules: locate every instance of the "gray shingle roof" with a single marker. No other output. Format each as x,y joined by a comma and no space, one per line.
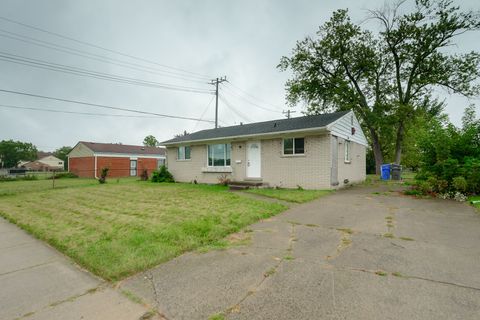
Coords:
123,148
266,127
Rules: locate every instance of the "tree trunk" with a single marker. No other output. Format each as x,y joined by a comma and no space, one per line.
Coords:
399,142
377,150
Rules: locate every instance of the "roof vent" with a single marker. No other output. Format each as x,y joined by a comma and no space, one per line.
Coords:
241,123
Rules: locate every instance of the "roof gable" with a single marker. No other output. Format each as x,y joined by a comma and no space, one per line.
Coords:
259,128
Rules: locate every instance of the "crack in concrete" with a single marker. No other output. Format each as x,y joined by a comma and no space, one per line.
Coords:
30,267
409,277
236,306
149,276
59,302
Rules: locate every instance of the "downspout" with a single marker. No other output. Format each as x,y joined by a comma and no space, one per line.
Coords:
96,177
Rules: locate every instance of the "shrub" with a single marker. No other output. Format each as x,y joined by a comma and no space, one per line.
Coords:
63,175
30,177
412,192
224,180
144,175
103,175
425,187
460,197
162,175
459,184
7,178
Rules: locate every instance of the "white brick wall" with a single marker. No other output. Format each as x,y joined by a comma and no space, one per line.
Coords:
355,171
310,171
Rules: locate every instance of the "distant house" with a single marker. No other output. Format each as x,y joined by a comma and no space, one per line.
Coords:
45,162
313,152
88,158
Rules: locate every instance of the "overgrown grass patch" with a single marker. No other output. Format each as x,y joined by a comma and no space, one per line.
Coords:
118,229
291,195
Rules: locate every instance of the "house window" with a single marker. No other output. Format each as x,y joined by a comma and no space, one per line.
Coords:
294,146
348,150
183,153
219,155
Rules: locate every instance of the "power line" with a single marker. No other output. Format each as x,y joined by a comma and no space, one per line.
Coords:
229,91
101,105
73,112
102,48
235,110
96,57
252,96
13,58
203,113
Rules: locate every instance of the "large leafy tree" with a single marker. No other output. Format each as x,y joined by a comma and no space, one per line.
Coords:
150,141
389,77
12,152
62,154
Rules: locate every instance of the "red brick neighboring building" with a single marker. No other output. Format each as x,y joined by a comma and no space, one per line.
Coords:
87,159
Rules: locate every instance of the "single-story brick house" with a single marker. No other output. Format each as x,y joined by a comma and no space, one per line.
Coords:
313,152
87,159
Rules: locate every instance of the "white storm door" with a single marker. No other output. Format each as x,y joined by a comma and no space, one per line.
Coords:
254,159
133,168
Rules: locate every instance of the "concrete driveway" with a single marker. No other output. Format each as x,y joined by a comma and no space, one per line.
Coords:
361,253
37,282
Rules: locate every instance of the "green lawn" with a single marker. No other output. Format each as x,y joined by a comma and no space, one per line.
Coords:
17,187
291,195
124,227
477,205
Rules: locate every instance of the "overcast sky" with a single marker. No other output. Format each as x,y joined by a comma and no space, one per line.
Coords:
242,40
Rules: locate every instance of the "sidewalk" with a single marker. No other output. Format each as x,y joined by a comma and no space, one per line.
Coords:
37,282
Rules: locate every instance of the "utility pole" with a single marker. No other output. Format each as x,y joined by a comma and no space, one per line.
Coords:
216,82
288,113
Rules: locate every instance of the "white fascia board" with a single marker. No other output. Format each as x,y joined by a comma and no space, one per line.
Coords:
128,155
248,136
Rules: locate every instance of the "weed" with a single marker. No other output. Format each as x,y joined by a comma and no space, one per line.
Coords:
346,241
407,239
295,223
397,274
269,272
132,297
312,225
217,316
346,230
381,273
288,257
390,225
388,235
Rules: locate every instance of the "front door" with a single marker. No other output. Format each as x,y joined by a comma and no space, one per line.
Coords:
254,159
133,168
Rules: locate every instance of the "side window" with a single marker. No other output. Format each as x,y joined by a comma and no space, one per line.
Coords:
183,153
348,150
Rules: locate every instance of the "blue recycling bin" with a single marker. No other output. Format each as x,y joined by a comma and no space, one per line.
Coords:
385,171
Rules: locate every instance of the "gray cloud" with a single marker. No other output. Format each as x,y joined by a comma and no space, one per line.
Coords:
243,40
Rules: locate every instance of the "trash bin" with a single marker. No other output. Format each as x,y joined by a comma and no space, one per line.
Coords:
396,170
385,171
